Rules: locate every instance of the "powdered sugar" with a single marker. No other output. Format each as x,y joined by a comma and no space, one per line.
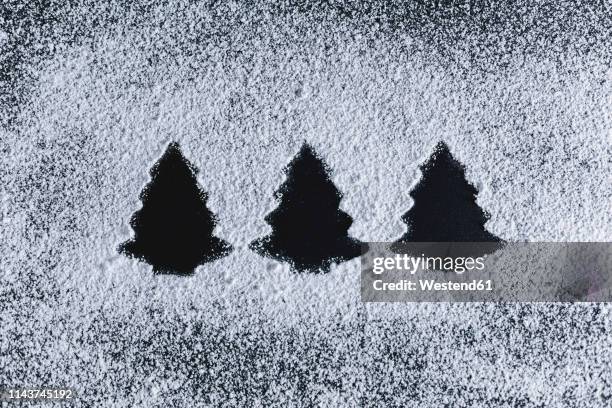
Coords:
241,91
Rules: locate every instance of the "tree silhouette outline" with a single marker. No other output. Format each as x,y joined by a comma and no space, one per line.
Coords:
309,231
444,209
173,230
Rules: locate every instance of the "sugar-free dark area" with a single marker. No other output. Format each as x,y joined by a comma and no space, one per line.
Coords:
174,228
309,229
445,208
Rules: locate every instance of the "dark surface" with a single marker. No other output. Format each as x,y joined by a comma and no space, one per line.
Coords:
174,229
309,230
445,208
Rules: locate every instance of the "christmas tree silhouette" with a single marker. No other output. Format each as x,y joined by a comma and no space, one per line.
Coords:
173,229
308,229
445,210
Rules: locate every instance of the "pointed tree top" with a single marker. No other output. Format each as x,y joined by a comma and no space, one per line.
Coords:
307,160
173,156
173,146
173,150
306,150
441,150
442,147
441,154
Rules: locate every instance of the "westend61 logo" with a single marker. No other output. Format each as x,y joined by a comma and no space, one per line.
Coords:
487,272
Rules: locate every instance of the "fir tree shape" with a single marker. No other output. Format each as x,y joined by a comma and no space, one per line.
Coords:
173,229
445,209
309,230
